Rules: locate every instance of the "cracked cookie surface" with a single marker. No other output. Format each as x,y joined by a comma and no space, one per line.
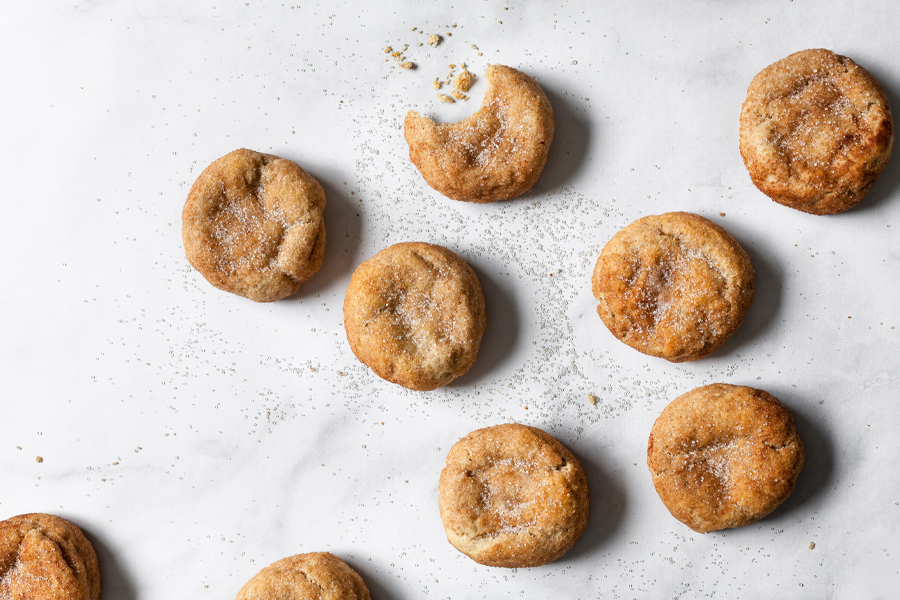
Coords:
674,286
815,131
45,557
498,153
310,576
512,496
414,314
724,456
252,225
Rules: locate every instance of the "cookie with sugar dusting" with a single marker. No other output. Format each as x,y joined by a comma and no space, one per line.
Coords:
311,576
724,456
674,286
512,496
414,314
816,131
45,557
496,154
252,225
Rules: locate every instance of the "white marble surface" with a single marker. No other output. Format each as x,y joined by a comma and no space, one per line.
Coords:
197,436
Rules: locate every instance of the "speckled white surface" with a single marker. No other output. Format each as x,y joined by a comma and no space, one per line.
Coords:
197,437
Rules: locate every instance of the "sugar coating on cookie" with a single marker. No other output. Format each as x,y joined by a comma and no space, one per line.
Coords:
311,576
252,225
45,557
816,131
414,313
496,154
724,456
512,496
675,286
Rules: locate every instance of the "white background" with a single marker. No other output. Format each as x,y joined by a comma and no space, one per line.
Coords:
197,436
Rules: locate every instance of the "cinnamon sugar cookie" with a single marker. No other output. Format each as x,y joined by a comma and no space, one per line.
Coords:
312,576
414,314
497,153
252,225
44,557
816,131
724,456
512,496
675,286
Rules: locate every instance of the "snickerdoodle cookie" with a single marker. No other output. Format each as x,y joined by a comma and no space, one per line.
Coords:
675,286
497,153
45,557
414,314
816,130
312,576
724,456
252,225
512,496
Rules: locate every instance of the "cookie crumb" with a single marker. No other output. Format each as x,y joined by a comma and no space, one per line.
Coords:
459,95
721,214
592,400
407,65
18,447
812,545
434,39
437,83
446,98
388,50
39,459
463,81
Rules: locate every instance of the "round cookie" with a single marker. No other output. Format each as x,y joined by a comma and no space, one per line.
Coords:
512,496
414,314
724,456
252,225
816,130
497,153
311,576
44,557
675,286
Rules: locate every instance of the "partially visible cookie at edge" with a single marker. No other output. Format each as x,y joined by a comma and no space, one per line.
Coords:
310,576
498,153
724,456
45,557
414,314
815,131
252,225
512,496
674,286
